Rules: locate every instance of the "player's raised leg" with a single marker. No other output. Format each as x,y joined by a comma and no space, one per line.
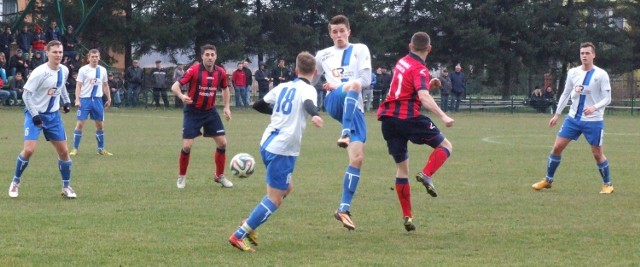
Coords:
353,90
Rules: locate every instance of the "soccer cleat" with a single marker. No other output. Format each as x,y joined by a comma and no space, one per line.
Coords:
345,219
73,152
345,139
606,189
68,192
408,224
104,152
541,185
239,244
14,189
222,180
422,178
252,236
182,181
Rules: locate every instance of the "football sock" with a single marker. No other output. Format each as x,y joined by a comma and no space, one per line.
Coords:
350,106
220,157
604,172
100,139
77,136
258,216
351,178
436,159
183,162
65,171
21,164
403,189
552,164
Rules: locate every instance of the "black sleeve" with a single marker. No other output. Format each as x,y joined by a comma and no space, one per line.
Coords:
310,108
262,107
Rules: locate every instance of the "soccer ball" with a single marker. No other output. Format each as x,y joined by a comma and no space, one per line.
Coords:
242,165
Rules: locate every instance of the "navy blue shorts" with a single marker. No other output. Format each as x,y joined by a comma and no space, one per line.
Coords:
195,120
420,130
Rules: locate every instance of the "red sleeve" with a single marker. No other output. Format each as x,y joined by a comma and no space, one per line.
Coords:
421,77
189,74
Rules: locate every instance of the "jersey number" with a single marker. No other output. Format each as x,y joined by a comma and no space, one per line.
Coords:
397,87
285,100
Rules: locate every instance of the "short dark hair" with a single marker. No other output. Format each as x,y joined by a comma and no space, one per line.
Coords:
306,63
207,47
339,19
94,51
158,61
53,43
588,44
420,41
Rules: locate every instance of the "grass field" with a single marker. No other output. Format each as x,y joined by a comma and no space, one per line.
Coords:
130,213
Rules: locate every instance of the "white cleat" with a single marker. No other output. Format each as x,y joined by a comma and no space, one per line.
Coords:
182,181
68,192
223,181
14,190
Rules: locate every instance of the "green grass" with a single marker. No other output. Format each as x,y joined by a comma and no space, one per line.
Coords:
130,213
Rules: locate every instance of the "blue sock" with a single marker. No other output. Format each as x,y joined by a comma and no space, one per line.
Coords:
604,172
258,216
351,178
100,139
21,164
65,171
77,135
350,106
552,164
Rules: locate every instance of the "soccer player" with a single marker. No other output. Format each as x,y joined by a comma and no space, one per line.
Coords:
205,80
42,95
293,102
92,83
347,69
590,92
402,122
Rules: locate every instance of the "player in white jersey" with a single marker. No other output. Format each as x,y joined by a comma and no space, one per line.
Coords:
590,92
42,95
347,69
293,102
92,83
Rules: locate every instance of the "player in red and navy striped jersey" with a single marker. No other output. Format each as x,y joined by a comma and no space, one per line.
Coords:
402,121
205,80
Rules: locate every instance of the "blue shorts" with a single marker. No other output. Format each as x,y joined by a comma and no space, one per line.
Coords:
593,130
52,127
334,105
279,169
420,130
91,106
208,121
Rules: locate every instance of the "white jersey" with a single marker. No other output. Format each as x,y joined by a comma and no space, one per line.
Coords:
46,87
92,80
595,91
283,136
340,65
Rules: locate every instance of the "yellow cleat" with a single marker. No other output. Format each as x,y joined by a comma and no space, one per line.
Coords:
239,244
541,185
104,152
345,219
73,152
606,189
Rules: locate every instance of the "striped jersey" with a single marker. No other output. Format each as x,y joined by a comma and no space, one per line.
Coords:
410,75
204,85
92,80
593,89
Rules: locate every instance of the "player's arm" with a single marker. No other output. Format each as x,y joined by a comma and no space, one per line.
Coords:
226,99
107,92
605,86
27,98
262,107
430,104
312,110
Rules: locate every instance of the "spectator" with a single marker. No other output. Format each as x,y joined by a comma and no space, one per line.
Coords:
159,78
133,77
445,89
73,63
262,77
280,74
71,87
239,81
53,32
38,41
36,60
367,92
458,88
383,81
69,42
537,100
23,39
18,63
16,87
178,73
6,38
113,87
320,92
550,96
4,94
249,77
3,61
